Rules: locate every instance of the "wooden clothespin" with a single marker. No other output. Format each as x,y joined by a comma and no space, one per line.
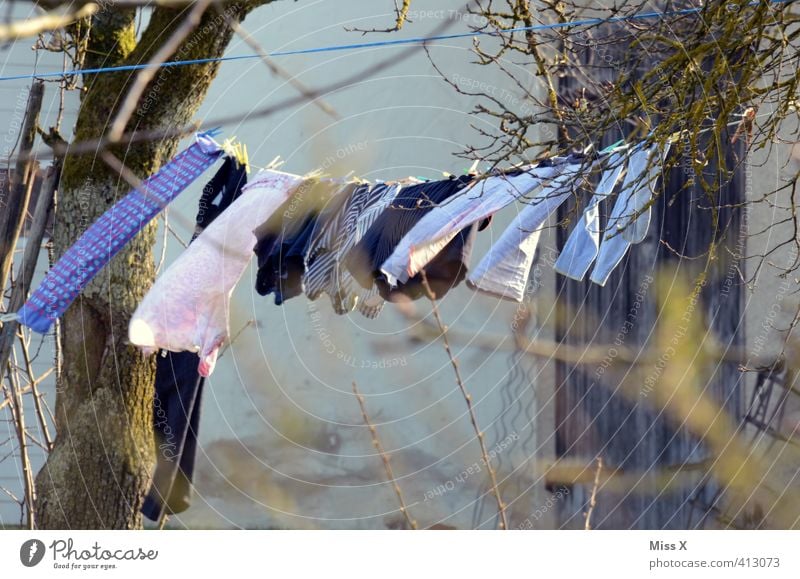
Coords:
237,151
274,164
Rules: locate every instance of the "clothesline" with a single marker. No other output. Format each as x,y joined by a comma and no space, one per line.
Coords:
364,244
98,244
318,236
382,43
616,147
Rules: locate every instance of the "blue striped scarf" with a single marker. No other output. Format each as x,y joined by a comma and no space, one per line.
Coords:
109,234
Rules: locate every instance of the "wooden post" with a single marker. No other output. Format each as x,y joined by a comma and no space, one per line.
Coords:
13,219
594,420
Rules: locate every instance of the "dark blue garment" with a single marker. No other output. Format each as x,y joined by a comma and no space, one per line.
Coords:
178,386
284,239
445,271
290,261
176,416
222,190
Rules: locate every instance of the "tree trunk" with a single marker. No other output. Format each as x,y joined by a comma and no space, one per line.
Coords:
100,467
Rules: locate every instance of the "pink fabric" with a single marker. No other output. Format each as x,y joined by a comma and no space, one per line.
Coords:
187,309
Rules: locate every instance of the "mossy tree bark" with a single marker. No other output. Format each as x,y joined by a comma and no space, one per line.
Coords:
100,467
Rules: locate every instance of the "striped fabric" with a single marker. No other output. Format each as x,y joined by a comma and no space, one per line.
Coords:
321,255
112,231
379,241
368,301
325,273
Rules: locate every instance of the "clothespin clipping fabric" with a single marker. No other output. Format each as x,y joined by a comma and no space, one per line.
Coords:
237,150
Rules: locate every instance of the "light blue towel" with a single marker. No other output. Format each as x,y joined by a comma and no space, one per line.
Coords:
630,218
582,246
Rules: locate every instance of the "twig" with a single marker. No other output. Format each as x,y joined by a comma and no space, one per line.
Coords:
161,259
30,256
49,21
230,342
58,351
132,3
147,74
93,146
501,508
593,499
13,218
384,457
587,354
11,495
401,18
174,233
34,382
309,93
18,414
8,401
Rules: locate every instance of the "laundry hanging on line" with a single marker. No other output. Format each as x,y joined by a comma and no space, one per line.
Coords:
504,271
326,271
359,243
328,218
629,221
187,309
284,241
112,231
581,248
411,204
482,200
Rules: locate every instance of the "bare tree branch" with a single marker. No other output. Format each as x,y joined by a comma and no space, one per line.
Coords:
58,18
308,93
146,75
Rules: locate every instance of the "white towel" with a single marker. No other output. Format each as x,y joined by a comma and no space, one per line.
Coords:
583,243
504,271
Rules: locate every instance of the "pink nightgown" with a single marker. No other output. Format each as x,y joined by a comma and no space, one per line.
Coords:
187,309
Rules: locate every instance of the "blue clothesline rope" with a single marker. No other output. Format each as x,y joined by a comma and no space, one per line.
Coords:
395,42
